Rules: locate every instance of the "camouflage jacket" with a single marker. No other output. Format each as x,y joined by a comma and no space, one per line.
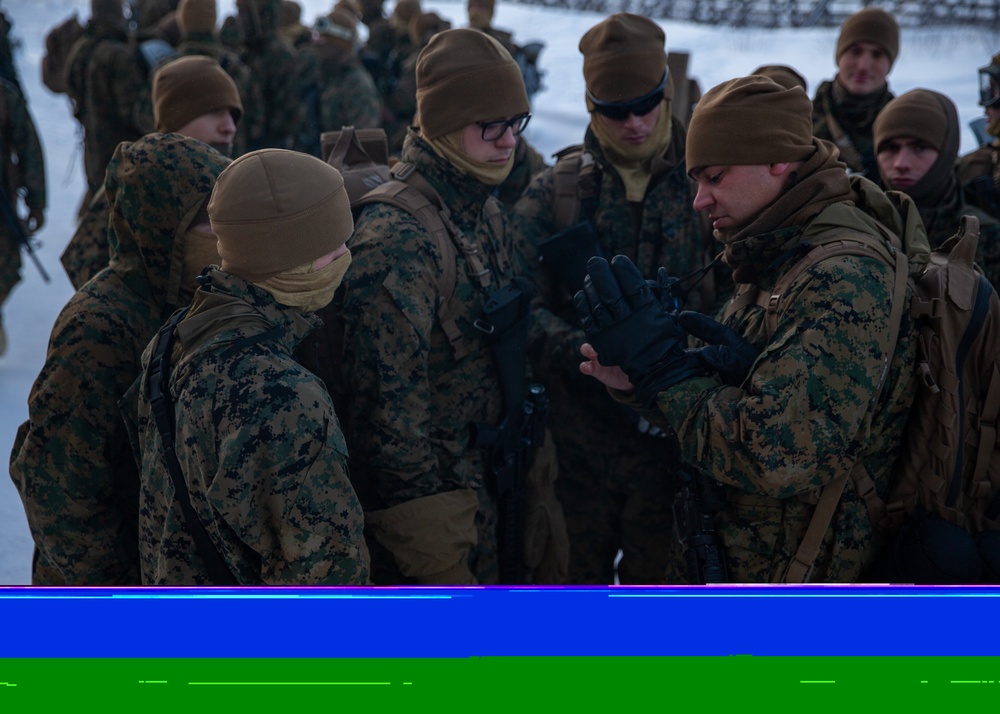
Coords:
71,460
20,142
804,412
340,90
848,124
412,403
106,83
664,231
251,123
259,446
979,175
86,254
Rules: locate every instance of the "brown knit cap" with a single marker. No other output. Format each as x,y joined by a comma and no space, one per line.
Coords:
109,11
871,24
465,76
188,87
339,28
783,75
275,209
918,114
405,11
623,58
424,24
291,12
750,121
196,16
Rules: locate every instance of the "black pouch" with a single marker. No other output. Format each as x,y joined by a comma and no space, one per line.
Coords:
928,550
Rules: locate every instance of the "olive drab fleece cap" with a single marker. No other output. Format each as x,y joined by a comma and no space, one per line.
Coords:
274,210
750,121
339,28
623,58
871,24
782,74
465,76
918,114
197,15
188,87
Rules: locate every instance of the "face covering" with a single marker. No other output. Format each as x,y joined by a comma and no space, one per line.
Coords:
450,147
200,249
306,288
633,162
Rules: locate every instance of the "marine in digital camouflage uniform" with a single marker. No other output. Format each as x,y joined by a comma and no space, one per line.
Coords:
345,94
845,108
774,418
258,443
979,171
188,94
430,508
105,82
71,462
197,19
22,169
613,478
917,140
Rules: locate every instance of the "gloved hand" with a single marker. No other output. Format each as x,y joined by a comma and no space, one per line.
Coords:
726,352
666,289
628,327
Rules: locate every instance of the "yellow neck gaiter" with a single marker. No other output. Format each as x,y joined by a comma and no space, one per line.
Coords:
305,288
200,249
450,148
633,162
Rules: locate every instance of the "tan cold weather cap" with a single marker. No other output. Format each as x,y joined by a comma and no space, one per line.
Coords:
291,12
918,114
750,121
623,58
339,28
196,16
425,24
275,209
783,75
871,24
465,76
405,11
188,87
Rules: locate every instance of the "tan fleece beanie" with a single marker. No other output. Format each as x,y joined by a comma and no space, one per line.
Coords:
196,16
274,210
291,12
425,24
871,24
750,121
339,28
188,87
623,58
783,75
480,13
404,11
465,76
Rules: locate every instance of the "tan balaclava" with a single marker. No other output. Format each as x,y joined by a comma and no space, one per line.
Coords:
720,133
188,87
624,59
196,16
929,117
465,76
276,212
783,75
871,24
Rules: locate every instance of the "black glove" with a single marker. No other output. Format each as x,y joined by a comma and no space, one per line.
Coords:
628,327
668,290
726,352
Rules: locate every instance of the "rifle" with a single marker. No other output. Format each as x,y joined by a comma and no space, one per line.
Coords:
16,227
696,501
510,444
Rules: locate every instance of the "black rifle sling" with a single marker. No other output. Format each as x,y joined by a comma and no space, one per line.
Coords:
162,406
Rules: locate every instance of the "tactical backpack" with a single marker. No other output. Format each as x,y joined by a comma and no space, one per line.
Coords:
943,502
58,43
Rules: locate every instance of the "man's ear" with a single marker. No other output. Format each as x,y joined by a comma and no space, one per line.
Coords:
779,169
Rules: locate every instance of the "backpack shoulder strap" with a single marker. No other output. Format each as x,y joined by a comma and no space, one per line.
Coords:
574,180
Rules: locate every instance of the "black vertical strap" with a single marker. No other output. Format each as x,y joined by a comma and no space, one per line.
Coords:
157,376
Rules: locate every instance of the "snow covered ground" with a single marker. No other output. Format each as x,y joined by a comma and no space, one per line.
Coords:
944,60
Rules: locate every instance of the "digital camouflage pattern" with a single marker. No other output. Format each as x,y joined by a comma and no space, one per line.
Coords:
260,448
411,403
107,86
613,480
251,125
979,175
804,411
72,462
345,93
19,142
855,117
87,253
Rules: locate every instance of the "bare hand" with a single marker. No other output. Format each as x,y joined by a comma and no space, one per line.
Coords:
613,377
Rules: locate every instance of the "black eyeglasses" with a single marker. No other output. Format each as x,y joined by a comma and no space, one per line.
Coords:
620,111
989,86
493,130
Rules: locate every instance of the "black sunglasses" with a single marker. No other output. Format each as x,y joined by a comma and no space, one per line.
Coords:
989,86
493,130
620,111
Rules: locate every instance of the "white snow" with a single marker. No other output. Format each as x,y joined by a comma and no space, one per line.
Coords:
944,60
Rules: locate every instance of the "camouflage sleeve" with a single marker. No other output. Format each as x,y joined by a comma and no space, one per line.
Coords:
988,252
129,93
31,164
389,311
71,454
356,103
281,101
531,223
790,427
